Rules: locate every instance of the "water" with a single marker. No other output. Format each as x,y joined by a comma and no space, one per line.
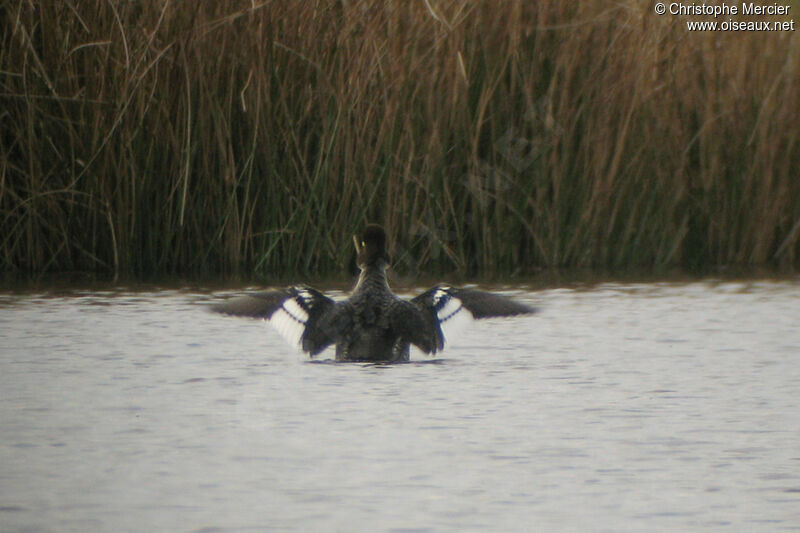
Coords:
644,407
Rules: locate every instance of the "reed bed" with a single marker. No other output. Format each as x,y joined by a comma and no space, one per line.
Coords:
490,138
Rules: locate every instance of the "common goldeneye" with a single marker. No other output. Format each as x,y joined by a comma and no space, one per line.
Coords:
372,324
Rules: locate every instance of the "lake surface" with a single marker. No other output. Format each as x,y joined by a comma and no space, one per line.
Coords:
619,407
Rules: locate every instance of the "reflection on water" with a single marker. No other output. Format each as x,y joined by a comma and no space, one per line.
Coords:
646,407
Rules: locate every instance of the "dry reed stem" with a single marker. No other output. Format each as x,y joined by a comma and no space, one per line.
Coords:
255,137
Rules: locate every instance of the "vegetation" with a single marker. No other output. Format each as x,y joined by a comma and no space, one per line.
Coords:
254,137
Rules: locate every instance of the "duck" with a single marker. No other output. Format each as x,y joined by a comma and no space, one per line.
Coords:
373,324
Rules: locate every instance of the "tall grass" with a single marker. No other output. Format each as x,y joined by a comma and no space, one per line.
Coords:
254,137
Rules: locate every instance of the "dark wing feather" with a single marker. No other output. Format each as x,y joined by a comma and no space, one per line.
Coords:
256,305
486,304
296,312
416,325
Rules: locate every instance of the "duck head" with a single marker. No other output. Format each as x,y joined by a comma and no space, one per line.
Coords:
371,249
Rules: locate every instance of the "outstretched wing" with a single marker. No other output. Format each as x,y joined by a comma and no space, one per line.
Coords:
484,304
296,312
448,309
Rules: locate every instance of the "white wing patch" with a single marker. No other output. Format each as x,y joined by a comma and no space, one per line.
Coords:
290,321
293,308
452,315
